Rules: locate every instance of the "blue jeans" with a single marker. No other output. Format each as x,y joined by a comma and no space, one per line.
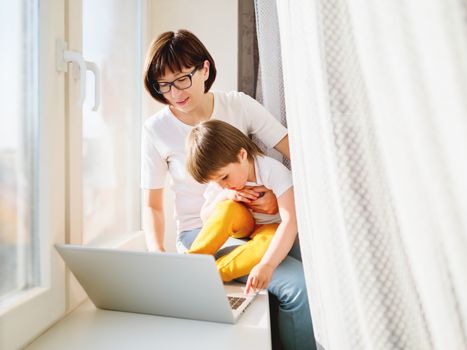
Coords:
287,284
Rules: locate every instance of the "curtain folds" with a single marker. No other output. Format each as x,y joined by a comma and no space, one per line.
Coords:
270,77
376,102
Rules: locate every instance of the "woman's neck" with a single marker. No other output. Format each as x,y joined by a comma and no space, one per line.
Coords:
201,113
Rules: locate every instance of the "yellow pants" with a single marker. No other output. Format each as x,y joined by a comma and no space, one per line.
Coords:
232,219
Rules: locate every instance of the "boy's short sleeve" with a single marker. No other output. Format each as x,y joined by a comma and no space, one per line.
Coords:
275,175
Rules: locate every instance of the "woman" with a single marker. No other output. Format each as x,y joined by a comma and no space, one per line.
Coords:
179,72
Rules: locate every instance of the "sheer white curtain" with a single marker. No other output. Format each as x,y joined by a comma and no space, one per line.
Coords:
376,101
270,89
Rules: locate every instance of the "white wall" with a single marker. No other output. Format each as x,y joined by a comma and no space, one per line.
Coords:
215,23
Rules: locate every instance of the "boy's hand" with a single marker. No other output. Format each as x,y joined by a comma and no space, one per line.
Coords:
259,278
245,195
266,203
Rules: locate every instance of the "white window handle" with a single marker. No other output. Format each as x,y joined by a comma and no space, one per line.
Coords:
97,83
64,56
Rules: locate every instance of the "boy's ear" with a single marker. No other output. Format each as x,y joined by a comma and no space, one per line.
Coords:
243,154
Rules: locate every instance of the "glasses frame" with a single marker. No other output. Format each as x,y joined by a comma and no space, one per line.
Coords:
173,82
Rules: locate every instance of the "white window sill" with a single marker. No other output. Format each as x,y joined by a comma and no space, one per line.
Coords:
90,328
19,298
128,241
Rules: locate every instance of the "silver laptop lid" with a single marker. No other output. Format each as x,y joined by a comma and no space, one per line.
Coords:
165,284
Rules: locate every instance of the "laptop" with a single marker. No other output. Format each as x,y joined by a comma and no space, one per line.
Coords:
163,284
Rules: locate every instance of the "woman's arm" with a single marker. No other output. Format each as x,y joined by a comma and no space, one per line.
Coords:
266,204
154,222
280,246
283,146
263,125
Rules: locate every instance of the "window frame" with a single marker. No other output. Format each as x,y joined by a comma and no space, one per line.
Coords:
58,205
48,298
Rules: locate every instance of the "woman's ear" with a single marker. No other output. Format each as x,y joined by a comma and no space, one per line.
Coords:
205,69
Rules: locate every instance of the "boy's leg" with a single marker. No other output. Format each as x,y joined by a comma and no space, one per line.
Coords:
242,259
186,238
229,218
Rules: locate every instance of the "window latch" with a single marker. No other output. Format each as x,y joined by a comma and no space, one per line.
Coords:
64,56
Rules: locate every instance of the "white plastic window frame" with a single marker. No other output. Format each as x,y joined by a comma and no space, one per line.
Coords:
59,207
29,313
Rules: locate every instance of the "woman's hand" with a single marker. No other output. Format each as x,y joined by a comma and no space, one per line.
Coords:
259,278
266,203
245,195
152,245
159,249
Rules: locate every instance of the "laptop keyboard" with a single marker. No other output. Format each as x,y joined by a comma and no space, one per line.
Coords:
235,302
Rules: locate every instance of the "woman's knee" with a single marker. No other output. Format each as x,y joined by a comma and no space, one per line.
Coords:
294,295
185,239
289,286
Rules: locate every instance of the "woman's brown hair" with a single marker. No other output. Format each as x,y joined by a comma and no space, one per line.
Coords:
174,51
214,144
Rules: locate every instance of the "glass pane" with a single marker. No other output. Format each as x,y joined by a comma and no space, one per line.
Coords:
111,38
18,115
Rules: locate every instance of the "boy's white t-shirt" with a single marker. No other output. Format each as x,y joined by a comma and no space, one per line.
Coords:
163,149
271,174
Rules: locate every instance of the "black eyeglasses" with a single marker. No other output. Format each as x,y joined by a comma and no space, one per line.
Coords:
181,83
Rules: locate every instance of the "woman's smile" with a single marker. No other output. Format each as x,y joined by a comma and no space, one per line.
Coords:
182,103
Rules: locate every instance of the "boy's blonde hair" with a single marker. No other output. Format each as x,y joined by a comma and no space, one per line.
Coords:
214,144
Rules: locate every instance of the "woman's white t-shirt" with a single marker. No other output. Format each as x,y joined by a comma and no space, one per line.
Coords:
271,174
163,149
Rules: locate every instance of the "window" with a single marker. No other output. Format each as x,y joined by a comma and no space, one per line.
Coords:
32,170
18,145
62,166
110,139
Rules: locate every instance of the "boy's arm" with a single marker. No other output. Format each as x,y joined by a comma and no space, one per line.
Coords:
209,205
280,245
245,195
267,204
286,232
